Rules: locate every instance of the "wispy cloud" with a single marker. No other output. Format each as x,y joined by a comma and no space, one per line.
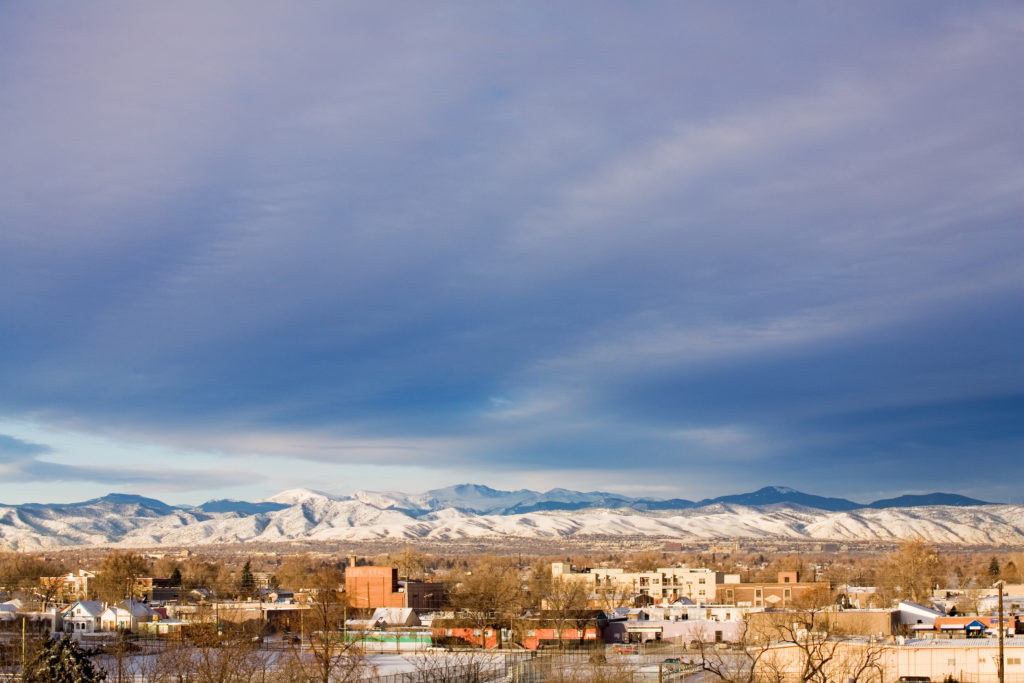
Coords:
340,235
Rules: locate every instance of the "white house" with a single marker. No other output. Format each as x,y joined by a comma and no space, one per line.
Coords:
82,617
125,616
9,610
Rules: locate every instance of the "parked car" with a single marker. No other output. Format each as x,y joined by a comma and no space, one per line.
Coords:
625,648
673,664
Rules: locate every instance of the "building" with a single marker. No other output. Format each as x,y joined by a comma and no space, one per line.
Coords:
654,625
771,624
9,610
373,587
82,616
61,589
274,616
974,660
965,659
665,584
457,632
787,591
126,616
916,617
971,627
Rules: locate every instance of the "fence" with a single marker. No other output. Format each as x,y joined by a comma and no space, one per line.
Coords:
472,666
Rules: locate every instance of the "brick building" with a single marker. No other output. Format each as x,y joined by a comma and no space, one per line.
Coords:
373,587
786,592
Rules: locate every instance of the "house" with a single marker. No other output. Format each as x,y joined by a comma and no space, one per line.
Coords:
9,610
277,595
82,616
163,627
126,616
393,617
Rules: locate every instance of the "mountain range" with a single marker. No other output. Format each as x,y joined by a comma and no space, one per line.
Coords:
474,511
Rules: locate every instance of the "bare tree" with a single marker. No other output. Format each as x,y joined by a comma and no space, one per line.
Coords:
451,667
565,604
295,572
333,655
235,658
118,576
488,593
804,645
748,663
911,572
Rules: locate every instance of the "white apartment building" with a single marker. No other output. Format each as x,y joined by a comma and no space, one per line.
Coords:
665,584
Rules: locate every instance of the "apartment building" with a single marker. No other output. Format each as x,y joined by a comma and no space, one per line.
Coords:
665,584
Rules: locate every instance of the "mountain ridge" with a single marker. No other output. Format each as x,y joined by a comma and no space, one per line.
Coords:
126,520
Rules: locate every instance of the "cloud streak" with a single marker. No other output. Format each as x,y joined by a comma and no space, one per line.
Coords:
451,243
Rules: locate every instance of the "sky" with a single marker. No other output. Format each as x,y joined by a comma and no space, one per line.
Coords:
670,249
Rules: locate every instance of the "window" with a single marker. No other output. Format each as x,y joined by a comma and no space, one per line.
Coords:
702,581
951,662
787,592
1013,661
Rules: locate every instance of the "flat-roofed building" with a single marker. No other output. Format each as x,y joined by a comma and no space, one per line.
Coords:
373,587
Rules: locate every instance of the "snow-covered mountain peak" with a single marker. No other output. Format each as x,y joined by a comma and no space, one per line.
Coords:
383,499
299,496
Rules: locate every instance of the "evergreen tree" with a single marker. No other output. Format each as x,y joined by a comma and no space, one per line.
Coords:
993,568
247,582
176,577
62,661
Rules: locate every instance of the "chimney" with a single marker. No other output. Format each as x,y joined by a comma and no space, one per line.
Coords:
351,560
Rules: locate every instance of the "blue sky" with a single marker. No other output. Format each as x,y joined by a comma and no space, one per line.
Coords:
669,249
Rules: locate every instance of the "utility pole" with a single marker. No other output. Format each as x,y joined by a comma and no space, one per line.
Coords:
1002,661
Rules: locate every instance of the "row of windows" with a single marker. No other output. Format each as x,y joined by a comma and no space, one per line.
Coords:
1010,661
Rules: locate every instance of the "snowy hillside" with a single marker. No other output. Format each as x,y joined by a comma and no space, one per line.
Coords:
464,512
